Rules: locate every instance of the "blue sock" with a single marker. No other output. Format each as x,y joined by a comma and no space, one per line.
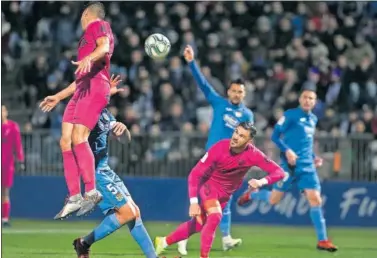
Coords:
140,234
262,195
108,225
318,222
226,219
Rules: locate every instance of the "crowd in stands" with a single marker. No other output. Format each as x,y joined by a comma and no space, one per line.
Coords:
277,47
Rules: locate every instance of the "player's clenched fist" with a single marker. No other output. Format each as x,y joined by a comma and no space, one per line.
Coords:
188,53
255,183
194,210
318,162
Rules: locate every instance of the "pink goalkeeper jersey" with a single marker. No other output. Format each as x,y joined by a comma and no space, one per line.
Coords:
11,143
226,170
87,44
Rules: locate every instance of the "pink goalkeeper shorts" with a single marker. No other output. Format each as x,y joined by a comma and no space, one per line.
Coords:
87,103
210,191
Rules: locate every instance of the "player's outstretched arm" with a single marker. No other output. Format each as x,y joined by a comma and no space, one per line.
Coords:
274,171
211,95
50,102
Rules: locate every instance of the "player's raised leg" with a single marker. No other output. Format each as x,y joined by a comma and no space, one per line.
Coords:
87,114
86,166
182,233
205,221
214,216
128,214
205,224
264,195
121,210
71,170
225,226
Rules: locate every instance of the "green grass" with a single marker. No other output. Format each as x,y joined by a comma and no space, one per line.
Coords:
42,239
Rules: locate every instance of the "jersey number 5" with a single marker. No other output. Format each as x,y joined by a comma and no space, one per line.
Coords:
112,189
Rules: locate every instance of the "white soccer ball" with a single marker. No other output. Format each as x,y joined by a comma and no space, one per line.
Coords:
157,46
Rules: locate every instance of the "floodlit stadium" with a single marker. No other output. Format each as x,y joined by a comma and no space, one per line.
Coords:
247,61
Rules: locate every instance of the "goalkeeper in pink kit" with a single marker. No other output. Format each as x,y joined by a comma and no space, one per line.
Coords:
214,179
10,146
92,93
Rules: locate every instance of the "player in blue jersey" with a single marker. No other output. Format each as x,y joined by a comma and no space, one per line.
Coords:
227,114
117,205
294,136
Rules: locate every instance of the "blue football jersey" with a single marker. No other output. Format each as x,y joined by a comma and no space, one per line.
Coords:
226,116
295,131
98,139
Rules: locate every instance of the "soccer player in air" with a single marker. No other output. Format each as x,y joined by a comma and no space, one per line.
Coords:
227,114
117,205
92,94
294,136
11,146
214,179
50,102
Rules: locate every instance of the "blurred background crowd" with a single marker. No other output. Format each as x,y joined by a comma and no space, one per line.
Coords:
275,46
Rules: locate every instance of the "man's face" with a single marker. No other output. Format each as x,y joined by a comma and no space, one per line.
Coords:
4,113
236,93
84,19
240,137
307,100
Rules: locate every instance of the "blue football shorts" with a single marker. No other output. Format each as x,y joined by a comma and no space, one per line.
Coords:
115,193
304,176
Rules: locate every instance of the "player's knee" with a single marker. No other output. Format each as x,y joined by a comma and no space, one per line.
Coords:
275,198
314,197
212,206
315,201
5,194
214,218
4,199
128,212
65,143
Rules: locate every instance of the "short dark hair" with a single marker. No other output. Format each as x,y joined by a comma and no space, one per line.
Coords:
237,81
250,127
96,8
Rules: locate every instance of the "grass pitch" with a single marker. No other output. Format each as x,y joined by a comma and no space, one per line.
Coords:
49,239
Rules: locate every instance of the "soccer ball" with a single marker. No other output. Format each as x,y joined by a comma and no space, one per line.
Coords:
157,46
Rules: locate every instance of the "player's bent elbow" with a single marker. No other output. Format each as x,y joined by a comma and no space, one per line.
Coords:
105,49
281,174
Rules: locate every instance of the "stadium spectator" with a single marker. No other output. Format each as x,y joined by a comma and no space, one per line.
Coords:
280,46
